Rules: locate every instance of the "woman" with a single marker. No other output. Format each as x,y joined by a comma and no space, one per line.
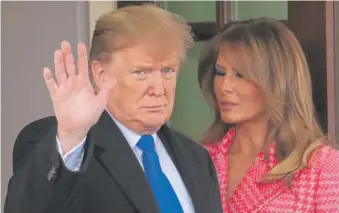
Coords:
268,148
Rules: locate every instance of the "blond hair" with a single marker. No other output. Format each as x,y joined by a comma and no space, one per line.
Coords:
128,25
271,57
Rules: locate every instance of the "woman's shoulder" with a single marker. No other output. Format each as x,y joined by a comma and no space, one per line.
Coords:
326,152
326,158
326,174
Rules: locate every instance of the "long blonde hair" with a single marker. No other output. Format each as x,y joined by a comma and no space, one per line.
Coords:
275,62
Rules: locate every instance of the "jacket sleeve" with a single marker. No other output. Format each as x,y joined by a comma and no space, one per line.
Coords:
40,183
327,196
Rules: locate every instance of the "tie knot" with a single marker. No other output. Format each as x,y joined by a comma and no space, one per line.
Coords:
146,143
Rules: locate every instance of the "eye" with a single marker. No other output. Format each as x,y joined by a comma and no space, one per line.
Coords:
238,75
168,72
219,72
140,74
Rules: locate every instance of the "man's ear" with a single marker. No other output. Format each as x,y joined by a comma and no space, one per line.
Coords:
98,73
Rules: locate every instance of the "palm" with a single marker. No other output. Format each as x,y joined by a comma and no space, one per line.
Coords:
75,103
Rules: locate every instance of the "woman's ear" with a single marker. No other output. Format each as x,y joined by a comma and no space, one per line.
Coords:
98,72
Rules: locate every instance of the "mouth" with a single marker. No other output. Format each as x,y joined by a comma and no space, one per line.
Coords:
154,108
227,105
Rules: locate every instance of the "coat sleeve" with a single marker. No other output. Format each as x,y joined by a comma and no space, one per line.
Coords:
40,182
327,195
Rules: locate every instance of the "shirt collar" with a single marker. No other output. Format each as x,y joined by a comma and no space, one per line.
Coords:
131,136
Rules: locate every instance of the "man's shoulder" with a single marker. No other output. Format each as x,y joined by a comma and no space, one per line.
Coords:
39,126
193,150
30,136
188,142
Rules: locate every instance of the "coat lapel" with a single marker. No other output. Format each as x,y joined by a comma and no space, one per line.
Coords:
120,161
250,195
187,168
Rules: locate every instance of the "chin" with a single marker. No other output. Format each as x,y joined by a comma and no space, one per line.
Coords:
230,119
234,119
155,120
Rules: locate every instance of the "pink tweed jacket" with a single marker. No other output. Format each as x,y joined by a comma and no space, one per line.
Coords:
314,189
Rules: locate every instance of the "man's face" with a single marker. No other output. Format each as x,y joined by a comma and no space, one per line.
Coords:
146,77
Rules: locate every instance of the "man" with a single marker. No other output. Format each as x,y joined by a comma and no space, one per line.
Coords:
108,149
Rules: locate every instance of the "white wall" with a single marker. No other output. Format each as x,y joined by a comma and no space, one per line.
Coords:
97,8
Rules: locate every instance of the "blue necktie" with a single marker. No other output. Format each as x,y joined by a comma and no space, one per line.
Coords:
164,194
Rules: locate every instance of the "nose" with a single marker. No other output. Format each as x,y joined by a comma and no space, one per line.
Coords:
227,84
157,87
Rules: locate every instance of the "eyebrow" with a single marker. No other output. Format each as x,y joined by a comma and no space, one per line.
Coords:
164,63
219,67
143,64
170,64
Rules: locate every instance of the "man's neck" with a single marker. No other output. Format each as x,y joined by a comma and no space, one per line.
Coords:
120,123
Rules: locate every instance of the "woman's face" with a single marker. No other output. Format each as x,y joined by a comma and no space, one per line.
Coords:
239,100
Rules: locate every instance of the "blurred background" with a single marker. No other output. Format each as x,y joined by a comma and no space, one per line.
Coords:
31,31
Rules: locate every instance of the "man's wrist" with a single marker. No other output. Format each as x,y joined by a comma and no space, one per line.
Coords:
68,140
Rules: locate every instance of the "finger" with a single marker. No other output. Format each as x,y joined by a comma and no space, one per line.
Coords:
49,80
82,60
68,58
59,65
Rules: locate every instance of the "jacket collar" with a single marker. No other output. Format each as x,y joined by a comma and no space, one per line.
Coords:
251,194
